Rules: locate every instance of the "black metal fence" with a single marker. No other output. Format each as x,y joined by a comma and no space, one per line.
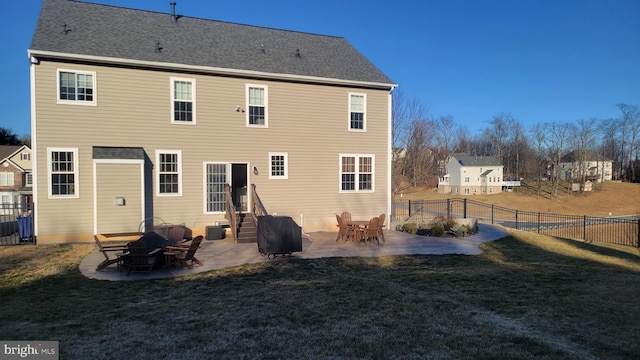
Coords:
16,224
618,230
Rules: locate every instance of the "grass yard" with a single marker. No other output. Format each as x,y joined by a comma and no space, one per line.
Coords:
526,297
615,198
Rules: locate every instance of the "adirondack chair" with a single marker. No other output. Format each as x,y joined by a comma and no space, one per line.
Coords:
186,255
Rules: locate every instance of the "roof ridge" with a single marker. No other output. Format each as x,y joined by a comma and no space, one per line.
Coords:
206,19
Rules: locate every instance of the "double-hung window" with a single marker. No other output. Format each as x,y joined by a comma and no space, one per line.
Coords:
278,166
76,87
257,100
169,172
6,179
63,172
183,101
356,173
357,110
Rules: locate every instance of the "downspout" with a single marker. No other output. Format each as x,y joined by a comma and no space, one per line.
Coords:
33,61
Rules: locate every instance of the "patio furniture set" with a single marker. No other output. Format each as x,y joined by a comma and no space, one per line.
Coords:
360,230
150,251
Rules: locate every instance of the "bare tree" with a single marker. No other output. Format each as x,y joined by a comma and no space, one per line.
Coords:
630,125
555,141
8,137
404,113
583,136
538,138
418,155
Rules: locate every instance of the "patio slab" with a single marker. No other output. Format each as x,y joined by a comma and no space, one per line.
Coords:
218,254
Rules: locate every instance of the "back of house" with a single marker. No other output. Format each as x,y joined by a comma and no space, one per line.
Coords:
139,115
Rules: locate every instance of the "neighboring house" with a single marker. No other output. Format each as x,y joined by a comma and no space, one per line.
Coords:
15,179
470,175
139,114
590,164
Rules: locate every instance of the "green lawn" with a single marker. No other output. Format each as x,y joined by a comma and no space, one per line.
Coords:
526,297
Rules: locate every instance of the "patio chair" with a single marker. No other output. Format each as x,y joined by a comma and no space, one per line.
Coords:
346,217
106,249
139,259
381,226
175,235
370,233
345,231
187,255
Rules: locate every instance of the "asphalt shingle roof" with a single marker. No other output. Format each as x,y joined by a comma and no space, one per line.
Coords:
467,160
106,31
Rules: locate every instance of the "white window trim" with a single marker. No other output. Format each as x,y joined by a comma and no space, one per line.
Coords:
357,169
204,183
76,170
8,176
286,165
172,81
157,166
94,102
364,114
266,105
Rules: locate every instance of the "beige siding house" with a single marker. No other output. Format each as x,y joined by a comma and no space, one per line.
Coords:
593,166
472,175
154,121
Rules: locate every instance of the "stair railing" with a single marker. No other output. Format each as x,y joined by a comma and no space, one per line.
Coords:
231,214
258,208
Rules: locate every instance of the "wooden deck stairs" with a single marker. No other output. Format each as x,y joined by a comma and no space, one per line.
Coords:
247,230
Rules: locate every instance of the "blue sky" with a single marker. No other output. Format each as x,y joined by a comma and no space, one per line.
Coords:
540,60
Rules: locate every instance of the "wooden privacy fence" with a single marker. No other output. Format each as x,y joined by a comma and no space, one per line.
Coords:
611,230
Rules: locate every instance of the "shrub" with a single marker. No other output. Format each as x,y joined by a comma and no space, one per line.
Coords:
447,223
437,230
460,230
410,228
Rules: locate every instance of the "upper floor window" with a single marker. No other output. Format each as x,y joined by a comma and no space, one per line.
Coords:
278,166
169,172
357,109
76,87
257,101
356,173
63,172
25,156
183,103
6,179
28,179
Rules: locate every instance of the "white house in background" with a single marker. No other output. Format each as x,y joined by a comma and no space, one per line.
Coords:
470,175
15,177
595,166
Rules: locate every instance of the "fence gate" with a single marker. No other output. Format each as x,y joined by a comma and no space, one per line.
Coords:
16,224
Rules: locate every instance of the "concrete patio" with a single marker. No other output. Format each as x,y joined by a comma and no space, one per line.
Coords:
218,254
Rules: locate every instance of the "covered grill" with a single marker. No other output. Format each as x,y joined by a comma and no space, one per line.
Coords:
278,235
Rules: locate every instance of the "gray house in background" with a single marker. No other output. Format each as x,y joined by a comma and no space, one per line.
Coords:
139,114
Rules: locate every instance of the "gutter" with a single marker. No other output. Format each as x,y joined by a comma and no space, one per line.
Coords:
210,70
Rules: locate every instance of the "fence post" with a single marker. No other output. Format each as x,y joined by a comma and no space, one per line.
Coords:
584,228
638,243
539,216
448,208
464,211
492,214
409,208
516,219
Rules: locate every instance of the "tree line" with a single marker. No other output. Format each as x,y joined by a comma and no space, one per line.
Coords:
422,144
8,137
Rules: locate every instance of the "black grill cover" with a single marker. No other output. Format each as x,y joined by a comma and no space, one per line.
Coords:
278,235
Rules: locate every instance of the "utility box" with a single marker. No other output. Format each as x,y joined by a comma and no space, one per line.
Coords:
215,233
